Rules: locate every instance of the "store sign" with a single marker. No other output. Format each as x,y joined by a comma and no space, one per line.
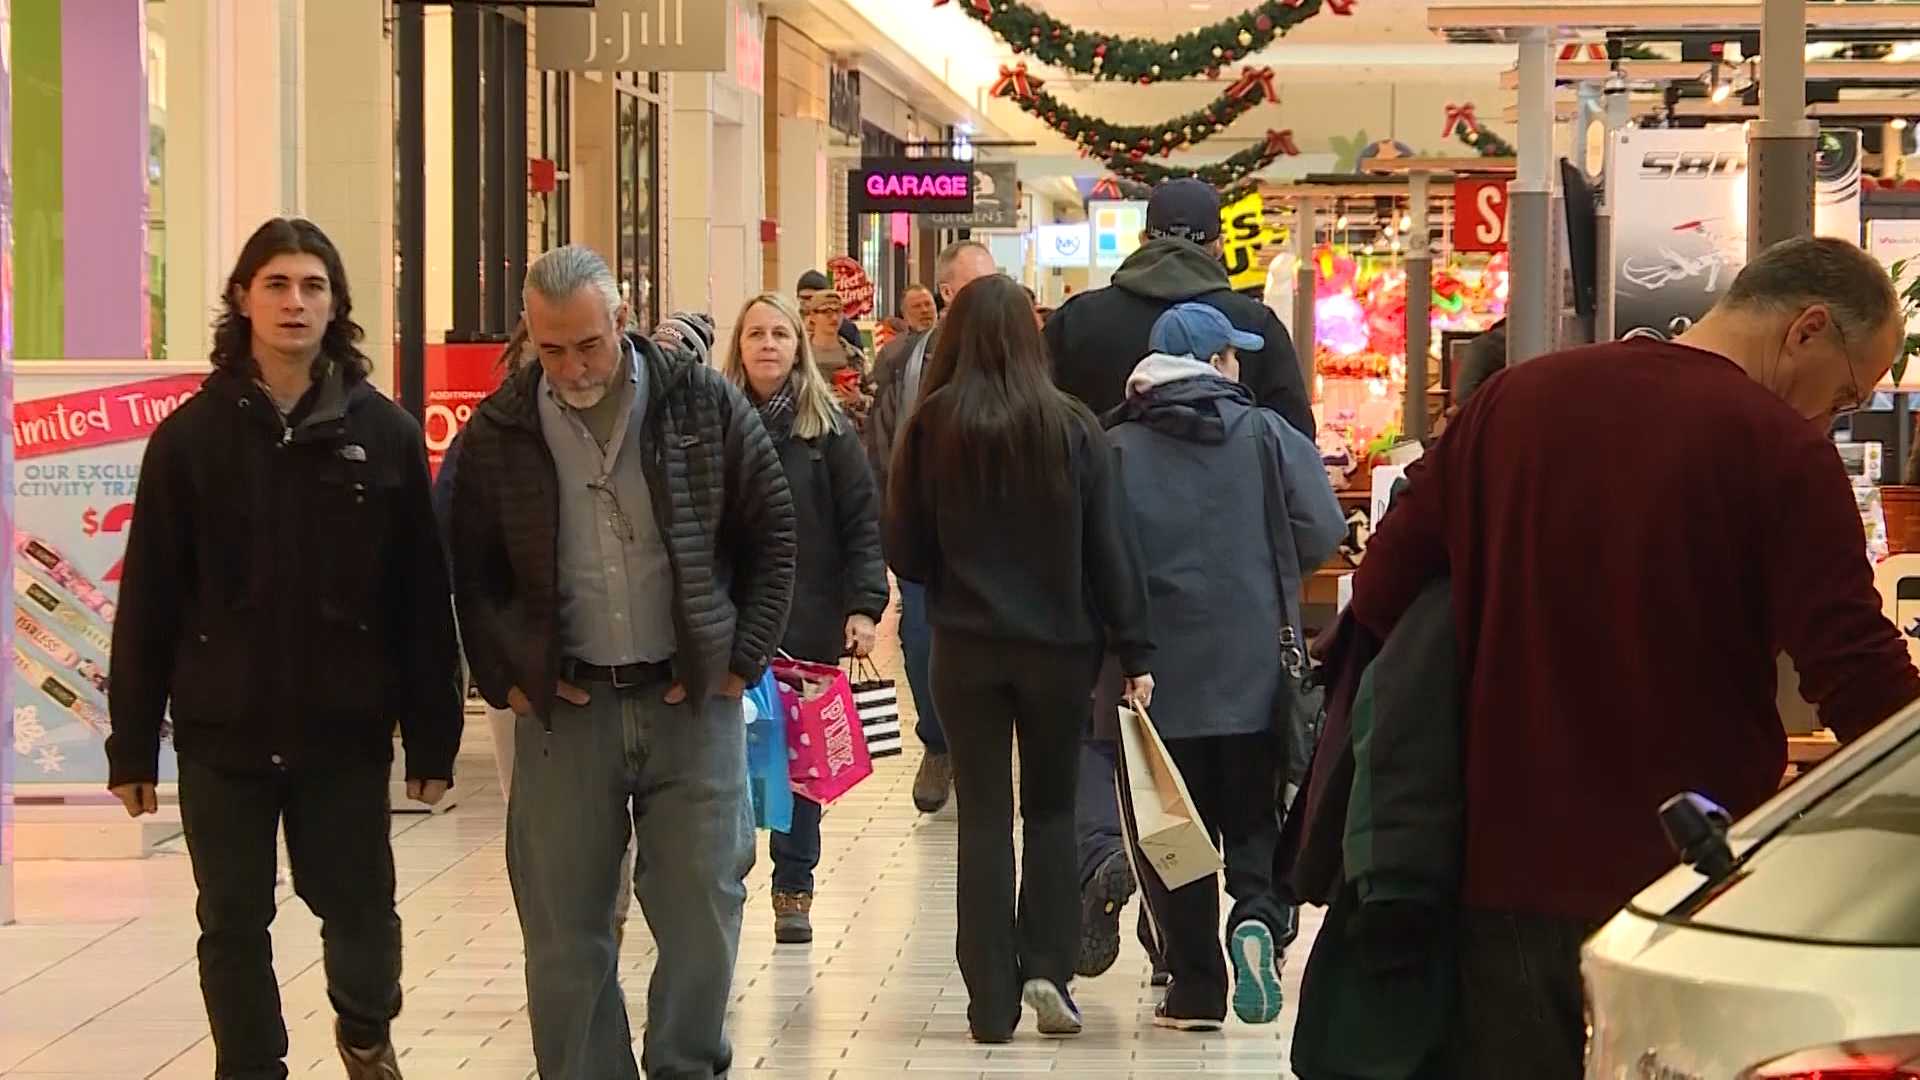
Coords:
749,54
1679,225
1479,215
1065,246
1243,236
1116,230
996,200
635,35
80,433
912,187
850,280
843,100
458,378
1895,240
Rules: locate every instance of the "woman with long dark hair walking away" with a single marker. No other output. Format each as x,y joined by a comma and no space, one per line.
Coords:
840,588
1005,502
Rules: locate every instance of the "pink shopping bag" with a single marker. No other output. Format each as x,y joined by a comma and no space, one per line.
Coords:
826,748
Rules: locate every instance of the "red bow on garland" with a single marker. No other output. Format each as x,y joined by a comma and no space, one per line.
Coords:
1015,79
1458,116
1252,79
984,7
1281,142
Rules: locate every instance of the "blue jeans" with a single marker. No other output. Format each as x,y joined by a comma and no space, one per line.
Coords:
675,778
796,852
916,647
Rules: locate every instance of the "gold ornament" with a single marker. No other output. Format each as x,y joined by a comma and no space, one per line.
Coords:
1156,70
1218,52
1070,49
1174,56
1245,39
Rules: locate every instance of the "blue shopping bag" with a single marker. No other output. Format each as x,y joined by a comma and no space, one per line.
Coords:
767,769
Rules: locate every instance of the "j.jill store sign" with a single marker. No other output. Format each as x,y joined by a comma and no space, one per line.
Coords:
911,187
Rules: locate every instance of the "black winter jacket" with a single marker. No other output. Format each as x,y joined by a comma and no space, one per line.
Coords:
837,521
1097,337
285,590
1065,572
720,498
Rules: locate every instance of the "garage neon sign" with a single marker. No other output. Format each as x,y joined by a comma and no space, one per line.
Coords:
913,187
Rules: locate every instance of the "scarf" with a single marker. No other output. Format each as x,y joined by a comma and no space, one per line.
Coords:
777,413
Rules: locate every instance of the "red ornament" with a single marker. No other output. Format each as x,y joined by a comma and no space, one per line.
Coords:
1213,73
1264,24
1145,79
1100,49
1341,7
1136,155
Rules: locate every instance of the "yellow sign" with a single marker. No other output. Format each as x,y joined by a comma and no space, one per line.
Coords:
1243,235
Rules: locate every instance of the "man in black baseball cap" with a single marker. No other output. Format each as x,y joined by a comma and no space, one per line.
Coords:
1097,338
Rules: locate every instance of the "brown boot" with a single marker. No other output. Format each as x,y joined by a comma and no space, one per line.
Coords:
373,1063
933,783
792,917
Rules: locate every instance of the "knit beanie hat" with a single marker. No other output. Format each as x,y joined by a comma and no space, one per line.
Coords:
693,329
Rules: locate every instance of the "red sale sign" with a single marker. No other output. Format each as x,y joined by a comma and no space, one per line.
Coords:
459,378
1479,215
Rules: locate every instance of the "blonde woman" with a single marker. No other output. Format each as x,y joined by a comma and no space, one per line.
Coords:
840,586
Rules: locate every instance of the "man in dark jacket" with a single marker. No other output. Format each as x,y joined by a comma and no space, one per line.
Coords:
1096,338
623,551
896,391
285,596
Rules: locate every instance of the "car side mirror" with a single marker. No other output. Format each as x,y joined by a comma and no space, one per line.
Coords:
1697,827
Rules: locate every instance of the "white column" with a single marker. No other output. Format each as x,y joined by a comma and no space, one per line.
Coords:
346,80
690,195
804,229
1530,209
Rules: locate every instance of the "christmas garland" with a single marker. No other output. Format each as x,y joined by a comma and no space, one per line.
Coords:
1143,60
1463,125
1093,136
1231,175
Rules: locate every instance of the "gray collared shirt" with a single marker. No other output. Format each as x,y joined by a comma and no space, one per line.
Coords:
616,583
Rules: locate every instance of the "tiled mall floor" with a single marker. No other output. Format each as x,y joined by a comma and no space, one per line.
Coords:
99,981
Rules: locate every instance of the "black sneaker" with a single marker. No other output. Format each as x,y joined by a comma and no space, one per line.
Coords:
1054,1011
1101,900
1183,1012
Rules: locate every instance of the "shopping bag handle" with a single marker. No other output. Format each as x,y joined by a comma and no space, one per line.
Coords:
860,667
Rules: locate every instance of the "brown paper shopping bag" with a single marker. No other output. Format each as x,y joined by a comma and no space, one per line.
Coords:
1164,819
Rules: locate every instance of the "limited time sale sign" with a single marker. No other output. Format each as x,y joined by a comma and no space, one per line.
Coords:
80,432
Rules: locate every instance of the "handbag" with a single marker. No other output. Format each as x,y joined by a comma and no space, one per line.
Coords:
1298,715
1156,806
877,701
767,771
826,749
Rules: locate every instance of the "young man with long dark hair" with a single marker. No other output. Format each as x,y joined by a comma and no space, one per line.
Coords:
286,596
1006,504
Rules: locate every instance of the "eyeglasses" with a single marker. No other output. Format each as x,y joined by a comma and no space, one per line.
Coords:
1859,398
616,514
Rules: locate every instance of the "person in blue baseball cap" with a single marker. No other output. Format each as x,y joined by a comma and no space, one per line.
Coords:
1205,470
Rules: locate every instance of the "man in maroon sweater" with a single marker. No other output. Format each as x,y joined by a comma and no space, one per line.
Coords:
1635,531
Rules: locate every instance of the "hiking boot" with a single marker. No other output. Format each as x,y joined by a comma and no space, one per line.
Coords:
373,1063
792,917
1101,899
933,783
1256,961
1054,1011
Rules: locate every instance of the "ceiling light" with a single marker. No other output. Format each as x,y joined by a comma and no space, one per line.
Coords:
1899,123
1340,222
1406,222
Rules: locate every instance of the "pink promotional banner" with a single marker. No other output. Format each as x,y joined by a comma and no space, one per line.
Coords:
79,431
